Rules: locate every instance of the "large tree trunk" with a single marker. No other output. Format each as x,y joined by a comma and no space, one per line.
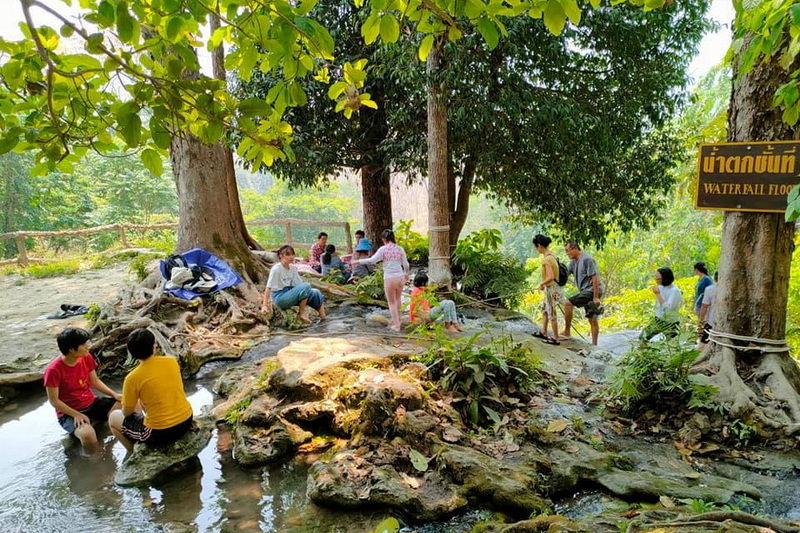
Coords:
376,201
760,388
205,216
438,205
218,64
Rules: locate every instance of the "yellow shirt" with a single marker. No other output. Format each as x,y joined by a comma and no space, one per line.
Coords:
550,259
157,383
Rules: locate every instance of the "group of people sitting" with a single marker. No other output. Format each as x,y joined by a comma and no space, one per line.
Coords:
152,407
286,289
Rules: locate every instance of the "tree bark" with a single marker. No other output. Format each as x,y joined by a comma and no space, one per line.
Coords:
461,210
754,274
204,205
376,201
218,64
438,212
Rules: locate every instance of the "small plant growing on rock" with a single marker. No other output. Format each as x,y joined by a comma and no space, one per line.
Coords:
478,375
235,413
656,374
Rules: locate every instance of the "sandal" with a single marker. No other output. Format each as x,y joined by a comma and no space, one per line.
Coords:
539,335
551,340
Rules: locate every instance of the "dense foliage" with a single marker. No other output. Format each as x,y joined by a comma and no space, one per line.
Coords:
656,374
482,272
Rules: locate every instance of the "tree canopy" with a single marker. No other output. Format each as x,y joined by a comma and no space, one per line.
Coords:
129,74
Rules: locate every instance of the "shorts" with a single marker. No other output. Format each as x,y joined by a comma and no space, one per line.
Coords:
585,299
97,412
133,427
552,297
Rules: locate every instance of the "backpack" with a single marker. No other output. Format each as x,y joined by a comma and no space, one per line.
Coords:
563,273
172,262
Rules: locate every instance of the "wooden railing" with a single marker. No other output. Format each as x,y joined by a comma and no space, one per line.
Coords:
24,260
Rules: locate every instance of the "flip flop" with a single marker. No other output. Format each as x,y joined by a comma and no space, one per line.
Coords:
564,338
539,335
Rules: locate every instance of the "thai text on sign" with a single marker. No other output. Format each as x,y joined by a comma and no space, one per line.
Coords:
753,176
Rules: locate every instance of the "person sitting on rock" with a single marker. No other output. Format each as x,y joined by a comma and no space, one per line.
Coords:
285,288
361,270
420,310
333,266
69,380
156,385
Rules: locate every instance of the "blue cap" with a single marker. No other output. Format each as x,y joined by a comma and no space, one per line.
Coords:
363,245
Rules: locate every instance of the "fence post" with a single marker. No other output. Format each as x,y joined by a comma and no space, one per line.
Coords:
23,253
348,237
289,238
122,237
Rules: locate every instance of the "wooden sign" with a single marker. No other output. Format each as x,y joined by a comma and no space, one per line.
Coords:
754,176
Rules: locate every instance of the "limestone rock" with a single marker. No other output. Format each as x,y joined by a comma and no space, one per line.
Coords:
256,446
348,481
146,463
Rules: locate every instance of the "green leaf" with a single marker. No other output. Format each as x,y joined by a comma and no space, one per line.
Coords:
572,10
488,31
153,162
390,525
554,17
124,23
425,47
254,107
171,5
371,28
8,143
175,28
131,129
106,12
473,411
390,29
161,137
419,461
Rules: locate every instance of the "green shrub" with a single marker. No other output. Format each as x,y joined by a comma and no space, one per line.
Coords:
484,273
480,375
656,374
415,244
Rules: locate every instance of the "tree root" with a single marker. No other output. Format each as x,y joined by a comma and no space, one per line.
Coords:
714,519
757,389
195,332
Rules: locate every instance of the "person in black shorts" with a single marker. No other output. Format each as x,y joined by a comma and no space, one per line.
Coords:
584,268
69,380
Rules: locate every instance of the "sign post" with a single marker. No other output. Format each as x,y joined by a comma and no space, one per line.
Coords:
753,176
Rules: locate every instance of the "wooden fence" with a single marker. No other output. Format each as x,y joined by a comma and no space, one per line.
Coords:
24,260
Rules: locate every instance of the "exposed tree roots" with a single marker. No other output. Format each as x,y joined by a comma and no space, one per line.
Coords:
219,326
714,521
761,389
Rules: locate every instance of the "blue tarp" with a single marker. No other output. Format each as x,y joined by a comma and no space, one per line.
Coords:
224,275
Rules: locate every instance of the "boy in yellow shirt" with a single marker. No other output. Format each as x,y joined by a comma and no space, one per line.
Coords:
156,383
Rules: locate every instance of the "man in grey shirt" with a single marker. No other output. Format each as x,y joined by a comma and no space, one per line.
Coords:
584,268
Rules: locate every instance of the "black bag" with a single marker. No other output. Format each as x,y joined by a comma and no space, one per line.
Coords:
172,262
563,273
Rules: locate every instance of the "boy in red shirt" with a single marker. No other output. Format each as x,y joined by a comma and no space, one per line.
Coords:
420,309
69,380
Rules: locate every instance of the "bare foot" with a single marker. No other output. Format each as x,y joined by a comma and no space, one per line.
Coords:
304,318
395,328
322,313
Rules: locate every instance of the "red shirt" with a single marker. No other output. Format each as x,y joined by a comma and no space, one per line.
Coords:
74,388
418,303
317,250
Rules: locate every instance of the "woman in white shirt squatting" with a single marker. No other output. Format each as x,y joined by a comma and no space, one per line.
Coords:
285,288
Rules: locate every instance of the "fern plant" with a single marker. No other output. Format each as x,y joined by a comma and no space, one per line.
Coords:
486,274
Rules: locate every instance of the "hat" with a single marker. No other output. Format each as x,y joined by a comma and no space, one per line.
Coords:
363,245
